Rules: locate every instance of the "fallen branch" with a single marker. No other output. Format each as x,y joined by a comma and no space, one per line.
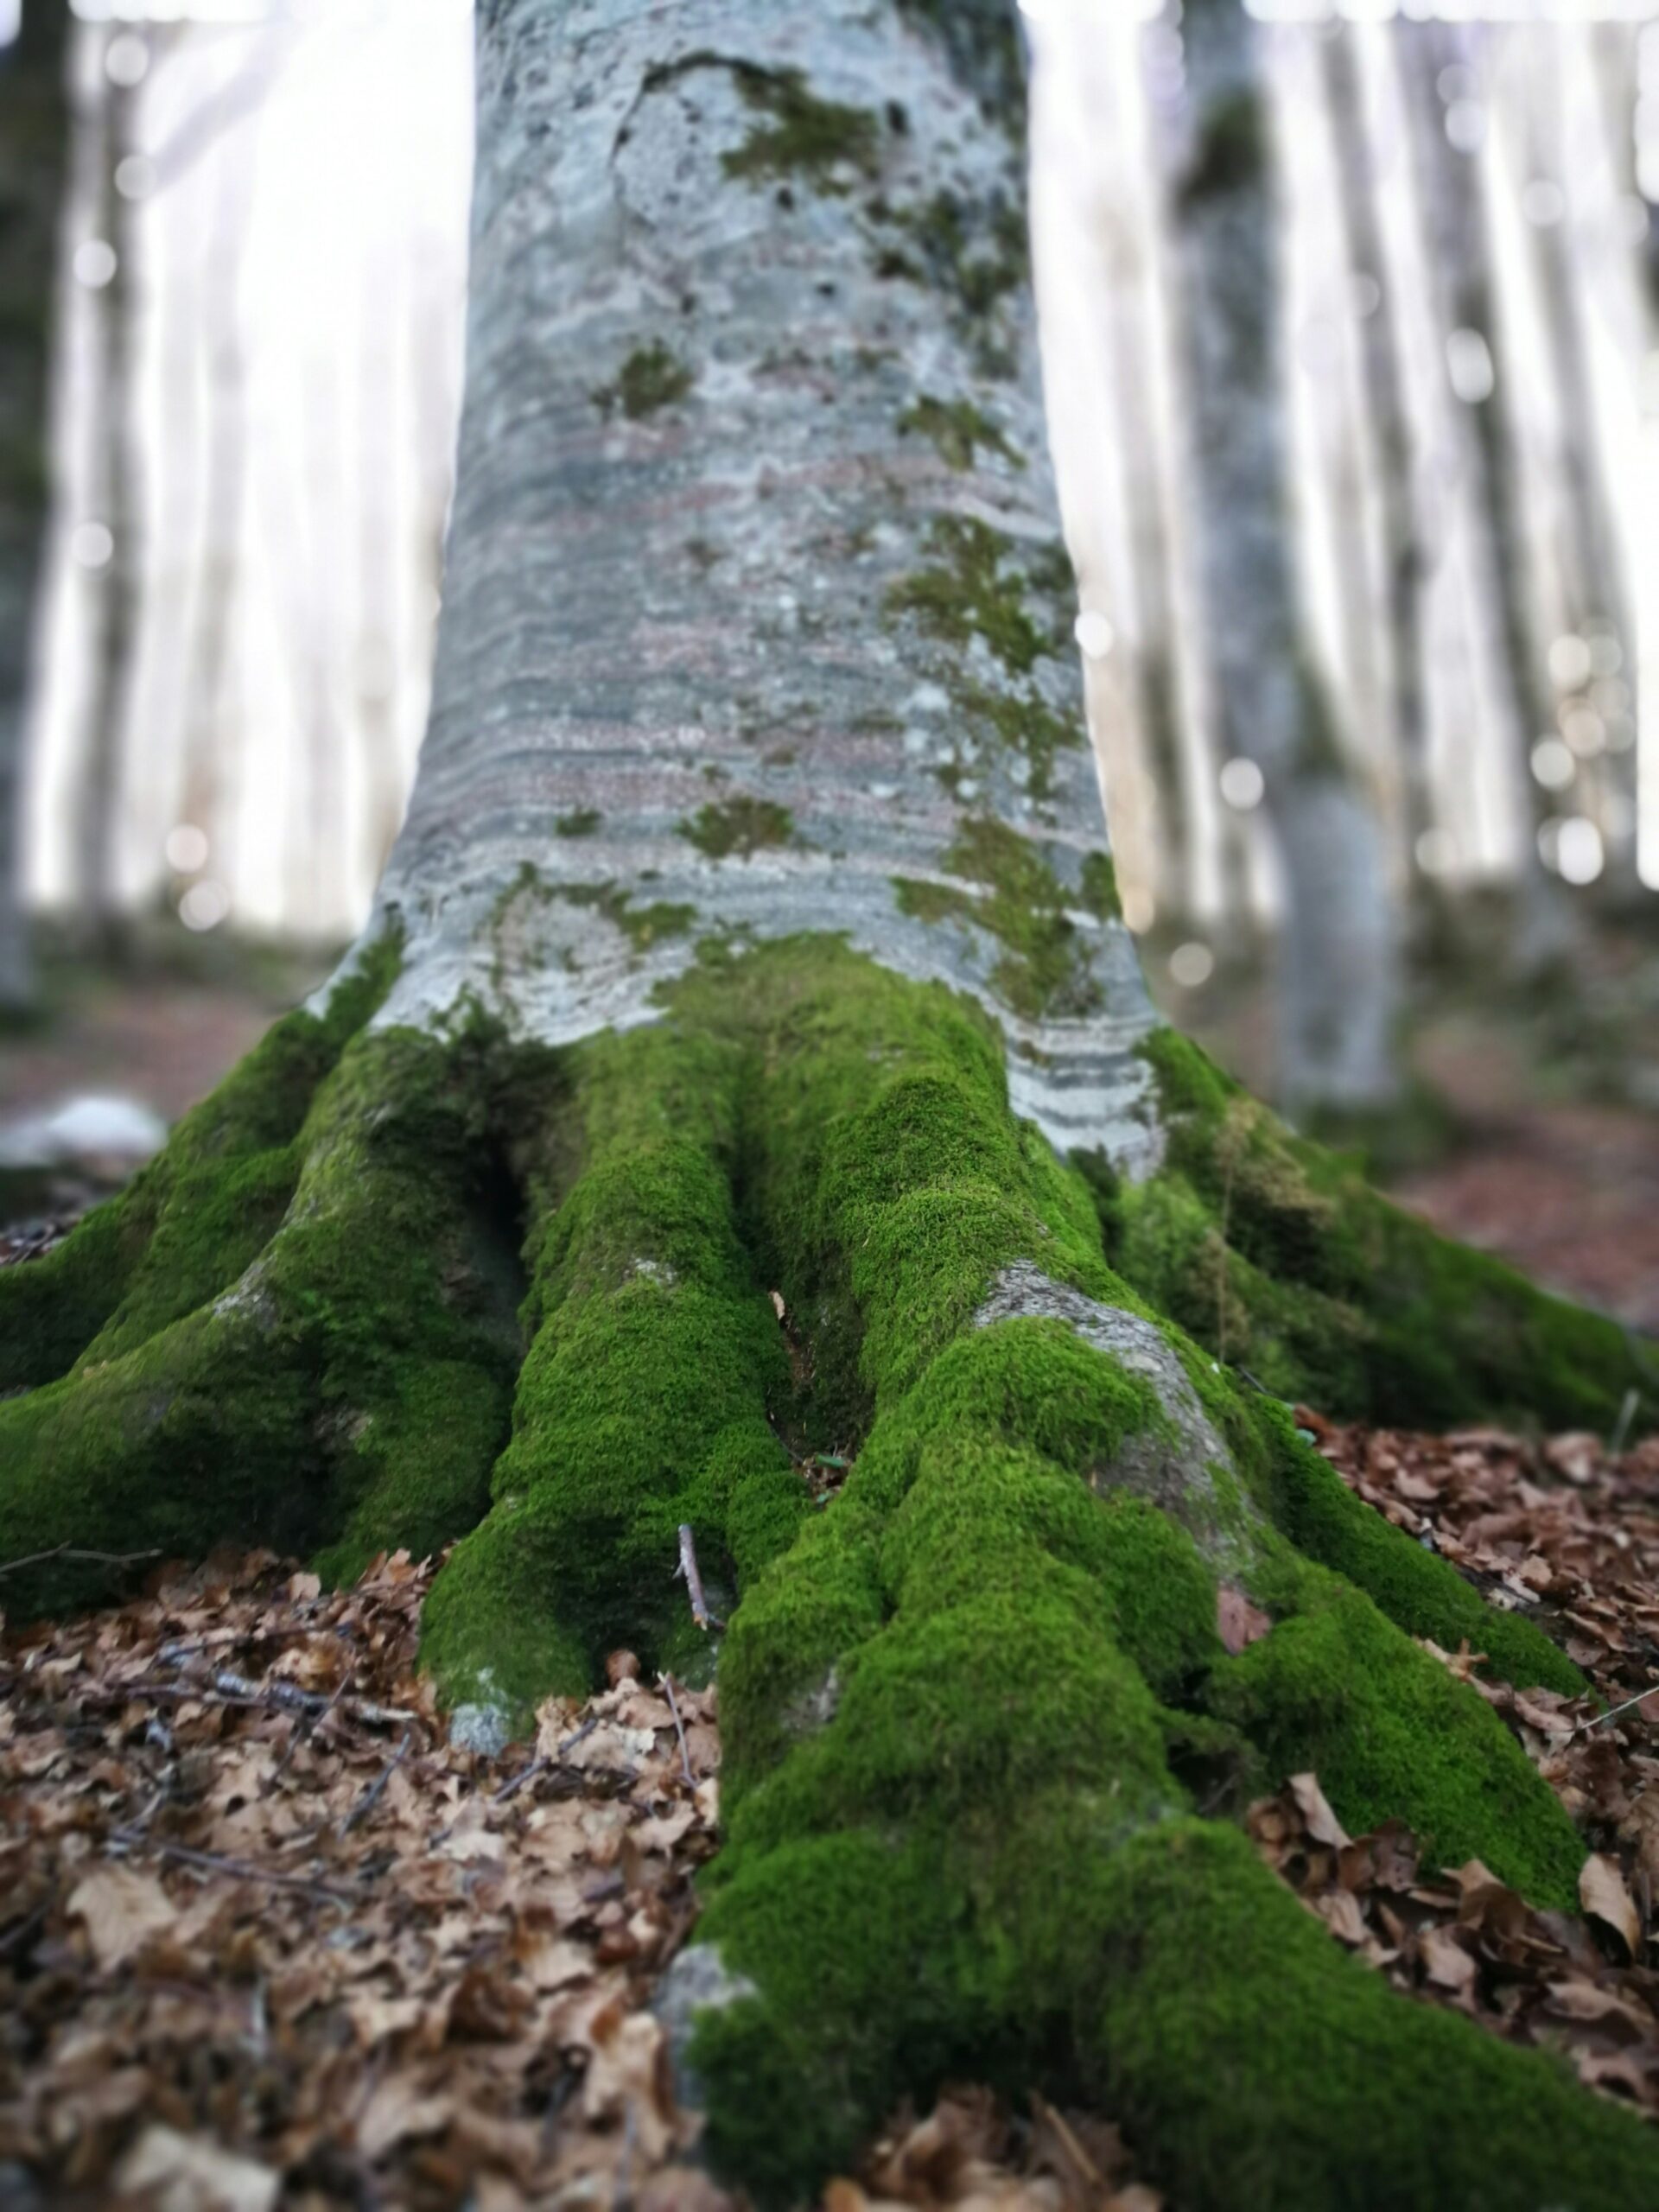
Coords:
688,1568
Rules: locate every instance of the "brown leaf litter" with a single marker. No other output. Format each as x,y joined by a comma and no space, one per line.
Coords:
266,1938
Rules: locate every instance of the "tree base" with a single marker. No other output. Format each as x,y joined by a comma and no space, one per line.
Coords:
971,1708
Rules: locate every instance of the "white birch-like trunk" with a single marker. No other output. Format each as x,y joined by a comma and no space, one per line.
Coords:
1339,986
733,646
31,160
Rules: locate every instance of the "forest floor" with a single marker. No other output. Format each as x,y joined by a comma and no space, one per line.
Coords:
267,1938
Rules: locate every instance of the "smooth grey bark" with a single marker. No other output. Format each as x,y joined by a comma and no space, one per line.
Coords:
756,616
32,139
1389,426
1339,985
1452,198
107,130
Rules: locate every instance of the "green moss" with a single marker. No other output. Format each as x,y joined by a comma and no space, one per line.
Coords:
1025,724
1252,2063
743,826
1100,887
1044,969
975,589
653,376
643,927
958,428
191,1221
582,822
1275,1255
803,135
976,251
640,1403
333,1373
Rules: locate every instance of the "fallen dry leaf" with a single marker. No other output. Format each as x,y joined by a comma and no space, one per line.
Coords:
1605,1897
122,1910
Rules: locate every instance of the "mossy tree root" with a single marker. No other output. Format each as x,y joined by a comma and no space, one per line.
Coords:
982,1735
295,1328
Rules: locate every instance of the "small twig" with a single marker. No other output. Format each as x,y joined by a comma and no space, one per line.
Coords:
309,1727
541,1765
371,1797
131,1829
667,1681
244,1870
75,1551
1613,1711
688,1567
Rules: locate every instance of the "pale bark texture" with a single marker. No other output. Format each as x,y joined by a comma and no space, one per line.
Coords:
746,973
32,135
1391,430
1339,983
1451,195
752,400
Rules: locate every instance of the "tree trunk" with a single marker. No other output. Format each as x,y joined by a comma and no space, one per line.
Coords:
32,133
752,891
1338,985
1453,195
1386,413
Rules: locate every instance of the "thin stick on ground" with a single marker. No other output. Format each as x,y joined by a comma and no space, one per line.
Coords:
246,1870
77,1551
688,1568
541,1765
667,1681
371,1797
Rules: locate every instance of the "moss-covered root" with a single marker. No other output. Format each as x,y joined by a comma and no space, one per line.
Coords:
310,1340
1275,1254
1169,1977
642,1404
980,1689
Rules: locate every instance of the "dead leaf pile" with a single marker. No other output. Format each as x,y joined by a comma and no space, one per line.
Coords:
262,1929
265,1937
1566,1532
1464,1940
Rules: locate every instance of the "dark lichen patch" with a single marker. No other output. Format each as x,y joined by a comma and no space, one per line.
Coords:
983,40
653,376
804,135
740,826
958,428
978,587
976,251
1100,887
1023,723
582,822
1046,969
643,927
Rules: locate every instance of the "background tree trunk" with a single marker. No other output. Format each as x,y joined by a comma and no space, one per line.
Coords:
1339,983
32,135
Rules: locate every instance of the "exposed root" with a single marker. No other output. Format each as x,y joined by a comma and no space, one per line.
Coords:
973,1702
